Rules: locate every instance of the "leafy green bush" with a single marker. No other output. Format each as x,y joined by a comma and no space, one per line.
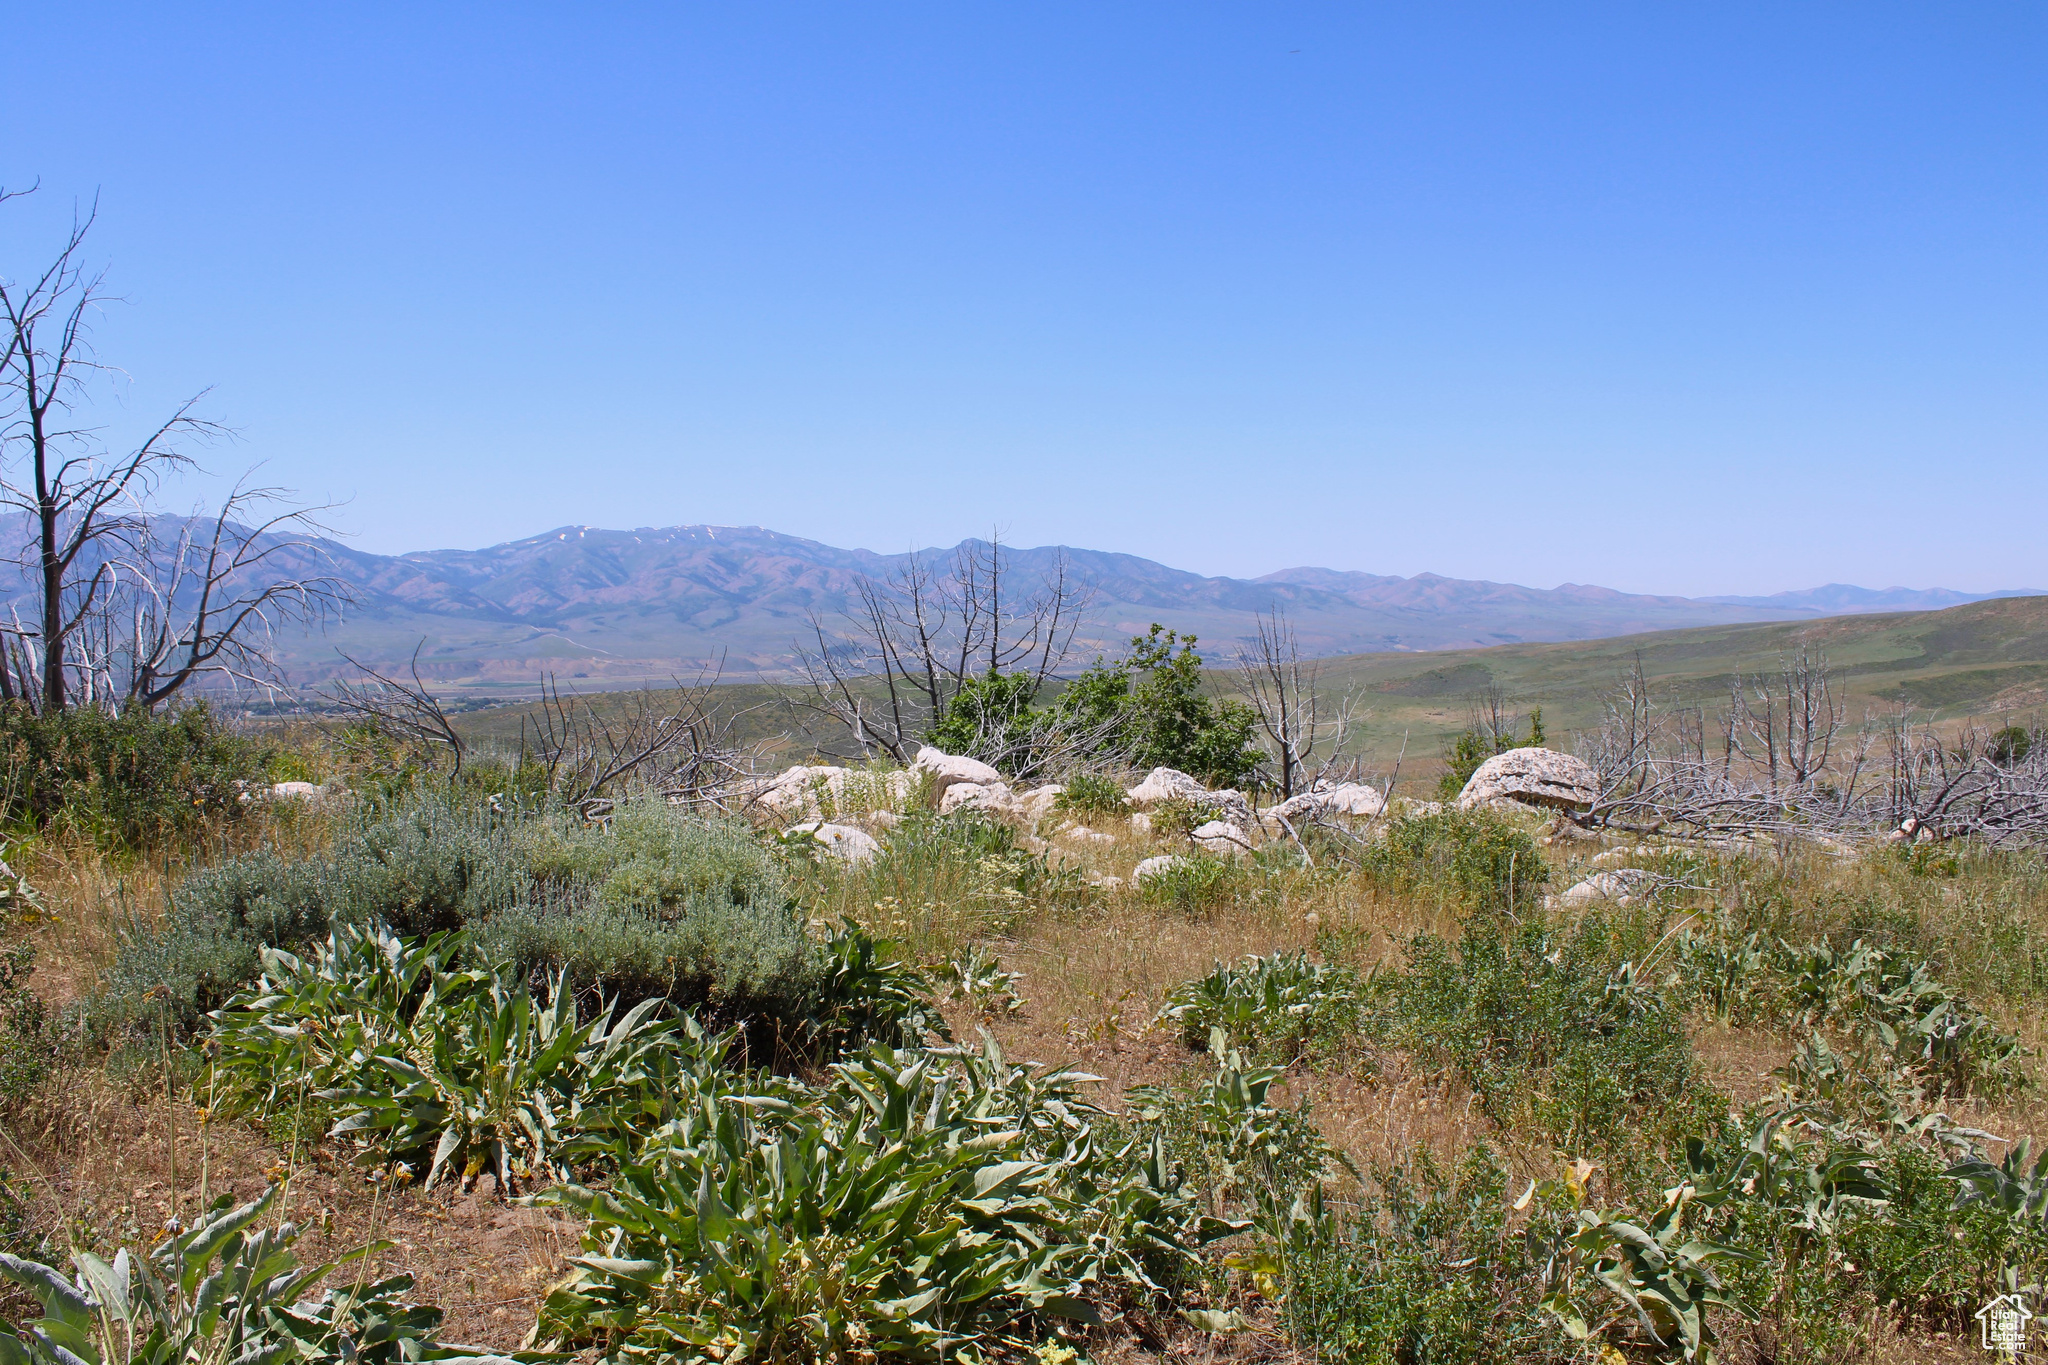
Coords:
650,856
1179,816
661,903
915,1204
1553,1026
1485,860
1247,1154
209,942
27,1047
1268,1006
134,781
1429,1267
219,1292
450,1068
1151,708
1092,794
1194,884
1891,1002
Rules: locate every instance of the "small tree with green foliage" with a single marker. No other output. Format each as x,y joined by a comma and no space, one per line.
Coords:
1155,711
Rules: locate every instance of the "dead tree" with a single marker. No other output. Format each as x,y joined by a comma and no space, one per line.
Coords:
679,745
1283,693
920,636
97,567
1790,720
404,713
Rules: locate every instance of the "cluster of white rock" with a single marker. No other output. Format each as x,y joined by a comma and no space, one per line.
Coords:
842,808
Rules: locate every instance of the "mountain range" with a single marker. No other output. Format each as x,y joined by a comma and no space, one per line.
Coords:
618,607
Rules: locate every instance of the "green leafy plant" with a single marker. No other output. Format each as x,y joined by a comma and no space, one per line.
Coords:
223,1291
916,1204
1431,1265
1477,855
1179,816
1151,708
424,1061
1554,1025
1891,1003
1662,1275
976,976
1265,1005
27,1046
1194,884
1092,794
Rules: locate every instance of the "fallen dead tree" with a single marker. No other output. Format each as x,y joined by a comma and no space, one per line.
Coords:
1781,759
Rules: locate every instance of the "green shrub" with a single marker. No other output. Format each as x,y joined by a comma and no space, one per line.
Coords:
1268,1006
1247,1154
911,1205
1151,707
134,781
1553,1026
1429,1267
431,865
1486,861
1194,884
209,941
723,962
27,1047
1092,794
1178,816
650,856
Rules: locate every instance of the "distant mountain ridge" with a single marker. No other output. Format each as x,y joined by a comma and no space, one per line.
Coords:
623,606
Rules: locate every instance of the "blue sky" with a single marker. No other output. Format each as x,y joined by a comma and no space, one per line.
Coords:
1696,299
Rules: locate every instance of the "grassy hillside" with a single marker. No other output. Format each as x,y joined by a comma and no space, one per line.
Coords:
1980,659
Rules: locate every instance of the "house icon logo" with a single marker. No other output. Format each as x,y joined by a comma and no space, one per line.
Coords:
2005,1321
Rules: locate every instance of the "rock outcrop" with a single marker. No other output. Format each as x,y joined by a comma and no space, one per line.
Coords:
1623,886
1535,777
948,769
1348,798
842,841
1220,836
1153,867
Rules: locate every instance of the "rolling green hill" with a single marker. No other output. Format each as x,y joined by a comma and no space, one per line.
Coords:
1981,659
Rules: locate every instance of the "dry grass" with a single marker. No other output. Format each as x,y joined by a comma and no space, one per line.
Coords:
99,1159
1096,964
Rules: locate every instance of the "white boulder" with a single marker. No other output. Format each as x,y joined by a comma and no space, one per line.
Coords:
1349,798
1622,886
1220,836
800,790
1039,801
842,841
949,769
994,797
1141,823
1081,834
1537,777
1166,784
297,791
1153,867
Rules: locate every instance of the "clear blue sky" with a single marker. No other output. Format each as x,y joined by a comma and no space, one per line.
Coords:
1700,298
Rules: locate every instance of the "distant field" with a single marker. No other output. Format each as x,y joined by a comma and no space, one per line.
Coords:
1982,659
1977,660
